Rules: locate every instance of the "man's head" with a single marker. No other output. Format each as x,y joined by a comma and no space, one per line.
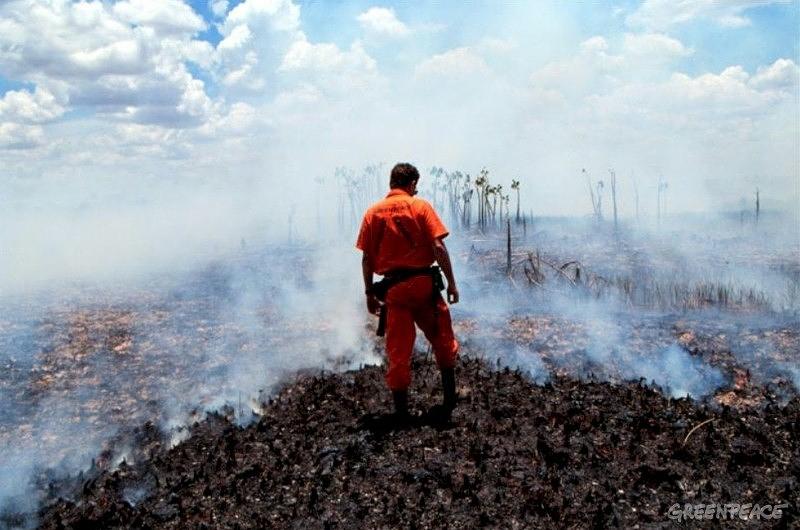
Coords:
404,176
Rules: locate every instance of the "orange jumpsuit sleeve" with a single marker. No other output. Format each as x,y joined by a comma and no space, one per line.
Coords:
431,224
364,241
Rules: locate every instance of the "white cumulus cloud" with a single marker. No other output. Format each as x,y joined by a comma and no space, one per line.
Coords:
167,16
219,7
304,55
125,60
20,136
462,61
256,35
26,107
597,67
661,14
628,105
161,100
383,20
330,67
654,45
278,15
782,75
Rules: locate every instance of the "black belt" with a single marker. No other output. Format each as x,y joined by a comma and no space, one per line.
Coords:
393,277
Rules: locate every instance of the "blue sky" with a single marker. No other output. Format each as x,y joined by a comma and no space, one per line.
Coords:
773,31
700,89
11,84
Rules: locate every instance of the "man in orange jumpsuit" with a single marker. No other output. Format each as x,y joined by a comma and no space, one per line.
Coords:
401,236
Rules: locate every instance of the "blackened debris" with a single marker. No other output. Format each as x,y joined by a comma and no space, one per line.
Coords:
516,455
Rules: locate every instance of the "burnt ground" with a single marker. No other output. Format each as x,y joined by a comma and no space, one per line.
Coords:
568,453
572,453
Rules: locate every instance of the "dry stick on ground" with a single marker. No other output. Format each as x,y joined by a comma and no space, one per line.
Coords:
560,271
695,428
533,279
535,269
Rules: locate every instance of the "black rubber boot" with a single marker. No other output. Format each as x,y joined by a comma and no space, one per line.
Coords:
449,388
400,419
440,414
400,403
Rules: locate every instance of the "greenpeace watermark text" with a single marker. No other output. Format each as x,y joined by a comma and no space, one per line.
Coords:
744,511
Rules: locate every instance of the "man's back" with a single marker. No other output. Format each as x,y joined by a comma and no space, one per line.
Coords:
400,238
398,232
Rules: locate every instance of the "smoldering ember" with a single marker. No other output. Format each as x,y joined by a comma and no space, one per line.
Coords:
282,264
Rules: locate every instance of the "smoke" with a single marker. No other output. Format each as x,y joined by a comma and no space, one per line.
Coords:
678,373
220,329
795,371
18,467
217,322
219,254
703,291
169,348
501,354
616,351
39,449
672,368
119,238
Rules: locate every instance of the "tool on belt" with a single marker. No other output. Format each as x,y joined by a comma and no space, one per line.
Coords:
392,278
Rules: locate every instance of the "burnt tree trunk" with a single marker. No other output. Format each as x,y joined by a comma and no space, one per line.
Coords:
758,205
508,246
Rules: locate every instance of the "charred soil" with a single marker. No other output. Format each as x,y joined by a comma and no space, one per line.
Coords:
568,453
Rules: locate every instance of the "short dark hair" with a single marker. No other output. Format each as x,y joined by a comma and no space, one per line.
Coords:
402,175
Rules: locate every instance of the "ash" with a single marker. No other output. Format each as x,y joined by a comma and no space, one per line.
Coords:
516,455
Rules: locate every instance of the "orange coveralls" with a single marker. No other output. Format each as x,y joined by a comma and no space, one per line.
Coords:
398,233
